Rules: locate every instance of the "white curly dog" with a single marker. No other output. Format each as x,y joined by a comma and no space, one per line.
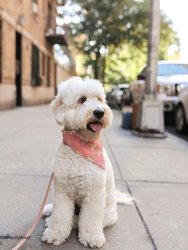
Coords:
88,181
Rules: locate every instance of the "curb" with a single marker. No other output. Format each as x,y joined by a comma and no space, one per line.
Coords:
150,135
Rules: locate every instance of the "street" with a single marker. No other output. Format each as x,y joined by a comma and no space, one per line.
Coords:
171,129
153,171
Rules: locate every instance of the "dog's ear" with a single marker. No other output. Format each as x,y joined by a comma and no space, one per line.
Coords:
57,109
56,104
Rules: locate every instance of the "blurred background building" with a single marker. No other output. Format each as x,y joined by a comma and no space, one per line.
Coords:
29,71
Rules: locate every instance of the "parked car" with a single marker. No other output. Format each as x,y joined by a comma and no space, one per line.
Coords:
114,96
126,98
171,74
182,110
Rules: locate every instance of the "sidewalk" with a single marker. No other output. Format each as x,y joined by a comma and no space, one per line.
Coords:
155,171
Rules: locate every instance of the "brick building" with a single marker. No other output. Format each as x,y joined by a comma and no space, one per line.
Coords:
27,66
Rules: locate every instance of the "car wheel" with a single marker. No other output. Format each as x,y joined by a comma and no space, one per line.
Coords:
180,120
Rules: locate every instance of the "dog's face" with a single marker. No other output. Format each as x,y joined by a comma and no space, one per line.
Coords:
80,105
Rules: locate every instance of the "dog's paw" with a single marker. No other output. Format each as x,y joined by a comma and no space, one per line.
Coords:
110,218
55,237
47,210
108,222
92,240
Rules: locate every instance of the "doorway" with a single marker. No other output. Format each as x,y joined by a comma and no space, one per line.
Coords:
18,47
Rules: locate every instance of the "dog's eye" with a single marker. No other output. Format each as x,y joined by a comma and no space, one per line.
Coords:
99,99
82,99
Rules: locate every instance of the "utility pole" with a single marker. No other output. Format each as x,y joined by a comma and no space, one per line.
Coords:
153,43
150,120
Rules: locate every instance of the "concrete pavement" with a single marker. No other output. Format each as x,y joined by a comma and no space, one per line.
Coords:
154,171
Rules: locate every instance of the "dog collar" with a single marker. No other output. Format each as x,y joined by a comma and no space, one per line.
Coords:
92,151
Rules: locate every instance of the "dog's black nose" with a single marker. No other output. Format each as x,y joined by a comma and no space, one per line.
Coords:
98,113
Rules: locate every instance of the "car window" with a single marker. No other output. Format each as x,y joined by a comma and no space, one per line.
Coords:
172,69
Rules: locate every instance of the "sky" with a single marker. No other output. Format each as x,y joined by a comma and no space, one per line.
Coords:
177,11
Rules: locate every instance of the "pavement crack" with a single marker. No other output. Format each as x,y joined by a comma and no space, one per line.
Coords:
158,182
150,237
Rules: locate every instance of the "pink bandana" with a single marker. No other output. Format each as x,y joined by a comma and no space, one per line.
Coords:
92,151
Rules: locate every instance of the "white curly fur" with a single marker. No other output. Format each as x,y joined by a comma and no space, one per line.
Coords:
76,179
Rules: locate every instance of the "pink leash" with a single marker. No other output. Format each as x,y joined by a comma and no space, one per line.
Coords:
36,221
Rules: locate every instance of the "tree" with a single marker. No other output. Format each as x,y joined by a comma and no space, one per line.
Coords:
168,37
102,28
124,63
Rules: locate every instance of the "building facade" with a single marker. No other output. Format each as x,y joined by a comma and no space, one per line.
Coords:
27,66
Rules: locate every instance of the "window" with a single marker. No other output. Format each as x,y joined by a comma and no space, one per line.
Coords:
172,69
49,18
35,79
43,64
35,7
48,71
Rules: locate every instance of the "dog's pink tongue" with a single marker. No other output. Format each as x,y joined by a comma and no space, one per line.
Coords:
96,127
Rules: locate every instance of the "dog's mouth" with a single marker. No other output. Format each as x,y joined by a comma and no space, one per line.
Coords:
95,126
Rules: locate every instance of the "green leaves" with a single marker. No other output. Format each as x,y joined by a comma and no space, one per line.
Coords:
112,36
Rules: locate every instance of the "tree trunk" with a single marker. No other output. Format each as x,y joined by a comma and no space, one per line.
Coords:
103,69
96,64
